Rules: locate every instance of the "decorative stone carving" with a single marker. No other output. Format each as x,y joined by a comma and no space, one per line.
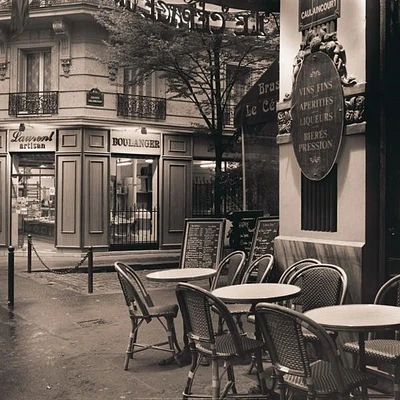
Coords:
284,122
112,71
322,40
355,107
3,55
61,29
3,70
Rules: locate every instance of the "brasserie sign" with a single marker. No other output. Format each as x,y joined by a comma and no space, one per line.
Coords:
316,12
317,115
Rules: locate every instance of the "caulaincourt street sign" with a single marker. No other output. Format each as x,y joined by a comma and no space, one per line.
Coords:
316,12
317,115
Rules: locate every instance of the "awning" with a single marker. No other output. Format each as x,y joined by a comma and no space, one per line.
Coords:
253,5
258,105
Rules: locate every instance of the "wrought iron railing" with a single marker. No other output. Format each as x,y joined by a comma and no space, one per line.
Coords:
141,106
203,198
33,103
135,227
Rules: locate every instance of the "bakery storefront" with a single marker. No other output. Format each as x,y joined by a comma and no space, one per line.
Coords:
33,195
80,187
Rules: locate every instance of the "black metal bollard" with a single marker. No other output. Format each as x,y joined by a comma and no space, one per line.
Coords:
11,276
90,270
29,266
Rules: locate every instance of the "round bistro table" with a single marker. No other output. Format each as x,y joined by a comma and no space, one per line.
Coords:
181,275
254,293
360,318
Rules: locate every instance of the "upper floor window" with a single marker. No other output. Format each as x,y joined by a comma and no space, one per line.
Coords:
240,78
152,86
35,71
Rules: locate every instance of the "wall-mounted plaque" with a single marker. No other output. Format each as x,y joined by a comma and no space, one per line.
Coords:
316,12
317,115
203,241
95,98
263,238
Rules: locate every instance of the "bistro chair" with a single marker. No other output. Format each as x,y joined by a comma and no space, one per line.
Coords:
141,308
229,272
382,350
259,271
196,304
295,267
283,332
321,285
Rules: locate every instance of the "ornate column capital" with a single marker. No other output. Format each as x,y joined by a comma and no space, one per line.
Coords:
62,31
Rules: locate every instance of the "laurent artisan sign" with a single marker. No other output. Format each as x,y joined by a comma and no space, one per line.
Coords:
315,12
317,116
31,140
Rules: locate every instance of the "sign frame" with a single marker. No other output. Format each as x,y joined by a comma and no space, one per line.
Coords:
220,223
307,6
94,97
317,112
253,255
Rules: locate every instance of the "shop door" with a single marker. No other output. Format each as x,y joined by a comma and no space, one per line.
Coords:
134,203
33,200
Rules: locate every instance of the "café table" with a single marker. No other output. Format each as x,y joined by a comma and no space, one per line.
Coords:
181,275
254,293
357,318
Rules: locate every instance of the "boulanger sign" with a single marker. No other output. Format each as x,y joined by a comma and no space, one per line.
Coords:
315,12
132,142
33,140
317,116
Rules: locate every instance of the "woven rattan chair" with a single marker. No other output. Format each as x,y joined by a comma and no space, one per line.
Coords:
383,351
259,271
295,267
142,308
321,285
196,305
282,329
230,270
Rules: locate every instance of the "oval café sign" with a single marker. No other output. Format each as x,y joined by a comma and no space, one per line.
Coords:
317,116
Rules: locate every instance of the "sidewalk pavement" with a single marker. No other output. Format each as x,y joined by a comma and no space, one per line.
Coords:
60,342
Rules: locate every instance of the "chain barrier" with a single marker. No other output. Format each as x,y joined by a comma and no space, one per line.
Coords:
61,271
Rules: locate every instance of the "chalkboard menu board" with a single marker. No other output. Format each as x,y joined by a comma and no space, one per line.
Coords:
263,238
202,243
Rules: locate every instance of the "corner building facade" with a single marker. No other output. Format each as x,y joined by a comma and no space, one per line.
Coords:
85,160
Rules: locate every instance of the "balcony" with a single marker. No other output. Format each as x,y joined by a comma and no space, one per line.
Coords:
33,103
49,3
141,107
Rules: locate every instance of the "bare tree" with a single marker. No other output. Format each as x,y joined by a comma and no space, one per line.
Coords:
193,63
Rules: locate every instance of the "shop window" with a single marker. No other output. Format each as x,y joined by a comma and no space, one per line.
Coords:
33,197
319,203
